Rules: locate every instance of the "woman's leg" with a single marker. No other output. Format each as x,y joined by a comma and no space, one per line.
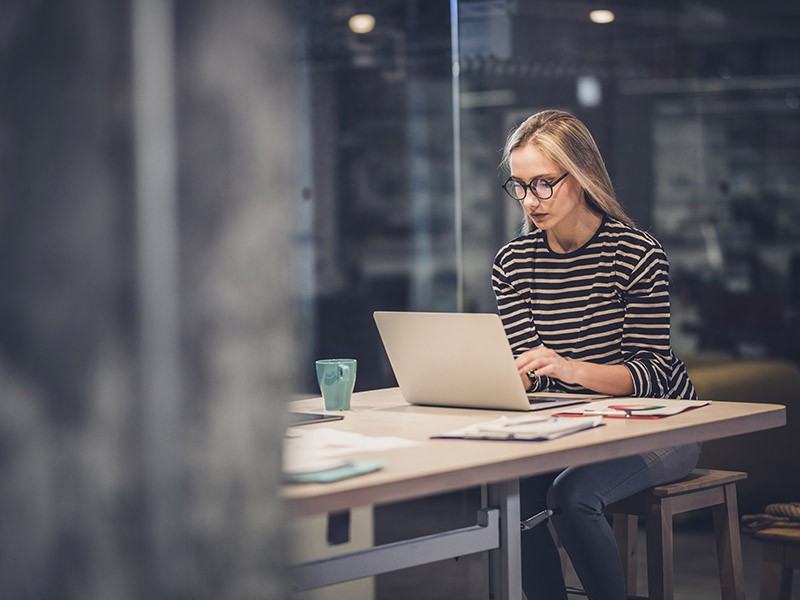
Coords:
578,497
541,563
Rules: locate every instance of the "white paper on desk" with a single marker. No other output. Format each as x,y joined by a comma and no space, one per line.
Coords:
322,446
637,408
528,428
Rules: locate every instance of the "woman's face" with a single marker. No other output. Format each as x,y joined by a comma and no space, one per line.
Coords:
528,163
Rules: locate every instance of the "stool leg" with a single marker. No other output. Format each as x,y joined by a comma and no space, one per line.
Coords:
776,578
625,532
562,552
729,545
659,550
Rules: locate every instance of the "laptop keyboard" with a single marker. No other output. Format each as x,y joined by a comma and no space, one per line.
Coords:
545,402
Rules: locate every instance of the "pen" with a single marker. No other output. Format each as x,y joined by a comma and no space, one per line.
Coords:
604,411
505,423
528,421
485,434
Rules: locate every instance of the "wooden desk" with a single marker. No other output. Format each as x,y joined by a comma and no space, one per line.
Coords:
438,466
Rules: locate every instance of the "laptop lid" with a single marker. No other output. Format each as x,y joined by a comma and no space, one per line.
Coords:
452,359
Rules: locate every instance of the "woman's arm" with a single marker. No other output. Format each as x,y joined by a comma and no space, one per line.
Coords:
517,322
614,380
646,348
645,345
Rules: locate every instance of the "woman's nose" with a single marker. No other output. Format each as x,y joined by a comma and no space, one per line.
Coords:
531,199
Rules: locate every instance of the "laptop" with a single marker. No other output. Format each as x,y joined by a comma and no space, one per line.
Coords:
461,360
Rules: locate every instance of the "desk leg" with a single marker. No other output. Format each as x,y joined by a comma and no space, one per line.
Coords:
503,566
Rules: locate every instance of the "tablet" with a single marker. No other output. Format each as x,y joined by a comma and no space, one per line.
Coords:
300,418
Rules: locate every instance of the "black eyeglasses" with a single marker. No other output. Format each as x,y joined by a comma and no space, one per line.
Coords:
540,188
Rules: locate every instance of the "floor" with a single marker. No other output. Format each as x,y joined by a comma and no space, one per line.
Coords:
695,556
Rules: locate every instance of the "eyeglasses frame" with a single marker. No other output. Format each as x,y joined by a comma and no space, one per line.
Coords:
529,186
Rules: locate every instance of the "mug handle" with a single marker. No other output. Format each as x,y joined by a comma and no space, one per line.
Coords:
344,371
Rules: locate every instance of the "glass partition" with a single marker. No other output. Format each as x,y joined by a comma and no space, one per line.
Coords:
695,108
376,200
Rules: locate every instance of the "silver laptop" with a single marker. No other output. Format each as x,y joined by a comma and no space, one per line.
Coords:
458,359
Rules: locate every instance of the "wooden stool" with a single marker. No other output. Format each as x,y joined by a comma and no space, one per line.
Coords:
780,556
702,488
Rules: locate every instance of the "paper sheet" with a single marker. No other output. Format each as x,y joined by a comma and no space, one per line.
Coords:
637,408
321,448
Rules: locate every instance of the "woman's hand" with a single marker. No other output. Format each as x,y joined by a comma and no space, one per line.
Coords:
607,379
543,361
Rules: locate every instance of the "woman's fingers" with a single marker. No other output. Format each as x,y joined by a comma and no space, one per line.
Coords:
533,361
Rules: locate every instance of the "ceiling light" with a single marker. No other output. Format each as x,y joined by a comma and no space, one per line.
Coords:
601,16
361,23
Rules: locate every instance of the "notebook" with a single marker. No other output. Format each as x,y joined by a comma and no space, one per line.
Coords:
459,359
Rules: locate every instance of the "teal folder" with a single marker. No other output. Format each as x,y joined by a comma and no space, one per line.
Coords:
345,471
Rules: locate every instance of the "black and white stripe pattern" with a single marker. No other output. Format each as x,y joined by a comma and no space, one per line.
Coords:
607,303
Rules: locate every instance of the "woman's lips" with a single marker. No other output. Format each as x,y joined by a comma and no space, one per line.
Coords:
538,216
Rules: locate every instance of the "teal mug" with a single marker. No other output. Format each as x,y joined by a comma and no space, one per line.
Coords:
336,377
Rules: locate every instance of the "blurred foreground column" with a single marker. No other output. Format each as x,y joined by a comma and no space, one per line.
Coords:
146,343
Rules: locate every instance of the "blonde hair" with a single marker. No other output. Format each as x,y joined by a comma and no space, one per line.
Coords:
565,140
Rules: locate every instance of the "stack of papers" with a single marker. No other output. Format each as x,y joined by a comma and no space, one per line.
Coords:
316,454
527,428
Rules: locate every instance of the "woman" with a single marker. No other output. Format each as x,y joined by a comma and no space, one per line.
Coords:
584,299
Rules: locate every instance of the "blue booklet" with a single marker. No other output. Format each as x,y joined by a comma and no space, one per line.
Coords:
345,470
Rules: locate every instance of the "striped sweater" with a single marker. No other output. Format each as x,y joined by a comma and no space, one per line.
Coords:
607,303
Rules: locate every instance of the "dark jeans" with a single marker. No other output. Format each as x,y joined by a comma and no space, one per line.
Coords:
578,496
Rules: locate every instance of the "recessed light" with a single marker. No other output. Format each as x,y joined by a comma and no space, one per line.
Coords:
361,23
601,16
